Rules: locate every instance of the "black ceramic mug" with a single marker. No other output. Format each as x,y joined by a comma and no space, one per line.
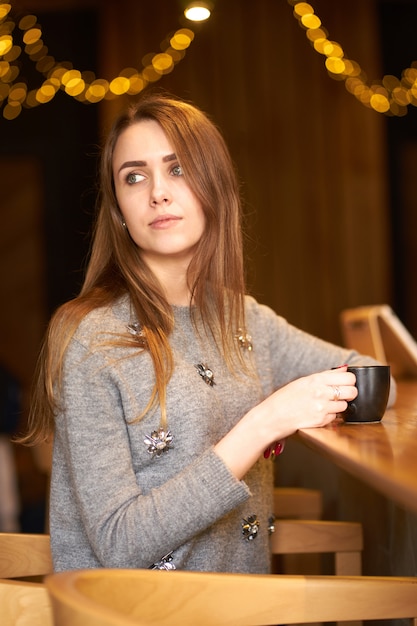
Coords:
373,383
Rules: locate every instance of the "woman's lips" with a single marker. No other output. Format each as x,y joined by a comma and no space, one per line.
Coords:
164,221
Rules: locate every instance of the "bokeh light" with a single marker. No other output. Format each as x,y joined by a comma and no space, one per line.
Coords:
24,36
198,11
391,96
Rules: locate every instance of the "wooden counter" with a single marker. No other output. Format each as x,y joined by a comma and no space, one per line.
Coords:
382,455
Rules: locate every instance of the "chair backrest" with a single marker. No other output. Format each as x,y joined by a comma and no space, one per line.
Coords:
376,330
298,503
142,597
300,538
343,539
24,555
24,603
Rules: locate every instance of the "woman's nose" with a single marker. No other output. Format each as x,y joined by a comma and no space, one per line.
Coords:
159,192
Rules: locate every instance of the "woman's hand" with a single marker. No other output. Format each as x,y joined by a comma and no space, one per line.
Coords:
308,402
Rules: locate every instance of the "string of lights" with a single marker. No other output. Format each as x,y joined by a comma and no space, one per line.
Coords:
25,37
390,96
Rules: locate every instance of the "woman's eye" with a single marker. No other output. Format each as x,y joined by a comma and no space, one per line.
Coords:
177,170
132,178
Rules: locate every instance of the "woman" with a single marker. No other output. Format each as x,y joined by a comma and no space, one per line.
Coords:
165,385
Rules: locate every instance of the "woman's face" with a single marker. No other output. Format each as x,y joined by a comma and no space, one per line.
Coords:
162,214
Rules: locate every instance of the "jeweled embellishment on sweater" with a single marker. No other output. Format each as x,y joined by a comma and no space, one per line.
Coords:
271,524
135,329
165,563
250,527
244,339
158,442
205,373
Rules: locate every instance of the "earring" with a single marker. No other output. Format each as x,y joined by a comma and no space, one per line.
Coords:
123,224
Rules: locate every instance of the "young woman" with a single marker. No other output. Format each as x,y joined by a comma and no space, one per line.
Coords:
165,386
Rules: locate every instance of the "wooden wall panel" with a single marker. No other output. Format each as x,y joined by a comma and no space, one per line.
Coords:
312,160
22,266
310,157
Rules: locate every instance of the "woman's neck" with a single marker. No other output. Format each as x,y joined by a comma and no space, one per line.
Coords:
173,278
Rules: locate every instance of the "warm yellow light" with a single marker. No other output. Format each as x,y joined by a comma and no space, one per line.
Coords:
119,85
4,10
62,76
31,100
58,72
352,68
36,50
390,82
320,44
150,74
310,21
351,84
410,75
97,90
176,55
316,33
75,87
14,53
397,109
127,72
379,103
335,65
332,49
6,44
162,63
137,84
45,93
32,35
4,91
198,11
303,8
8,73
364,96
401,96
70,75
182,39
12,110
27,22
18,92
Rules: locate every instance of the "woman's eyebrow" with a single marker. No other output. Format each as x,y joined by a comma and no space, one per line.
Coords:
131,164
169,157
165,159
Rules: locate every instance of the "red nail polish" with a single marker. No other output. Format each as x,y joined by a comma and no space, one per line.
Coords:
278,448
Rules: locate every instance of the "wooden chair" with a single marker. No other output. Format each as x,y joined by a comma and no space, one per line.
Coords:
24,555
143,597
28,555
310,539
22,602
298,503
343,539
296,547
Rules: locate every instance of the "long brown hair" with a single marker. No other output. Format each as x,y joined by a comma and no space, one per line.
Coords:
215,274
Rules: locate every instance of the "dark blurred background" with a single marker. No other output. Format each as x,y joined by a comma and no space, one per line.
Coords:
328,183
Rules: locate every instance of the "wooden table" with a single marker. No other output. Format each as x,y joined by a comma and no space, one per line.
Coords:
382,455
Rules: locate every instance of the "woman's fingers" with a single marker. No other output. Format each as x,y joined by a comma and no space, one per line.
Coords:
340,383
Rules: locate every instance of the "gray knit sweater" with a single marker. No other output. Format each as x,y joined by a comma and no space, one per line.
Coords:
113,503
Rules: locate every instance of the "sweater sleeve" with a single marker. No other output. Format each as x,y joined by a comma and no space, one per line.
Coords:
285,352
127,526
